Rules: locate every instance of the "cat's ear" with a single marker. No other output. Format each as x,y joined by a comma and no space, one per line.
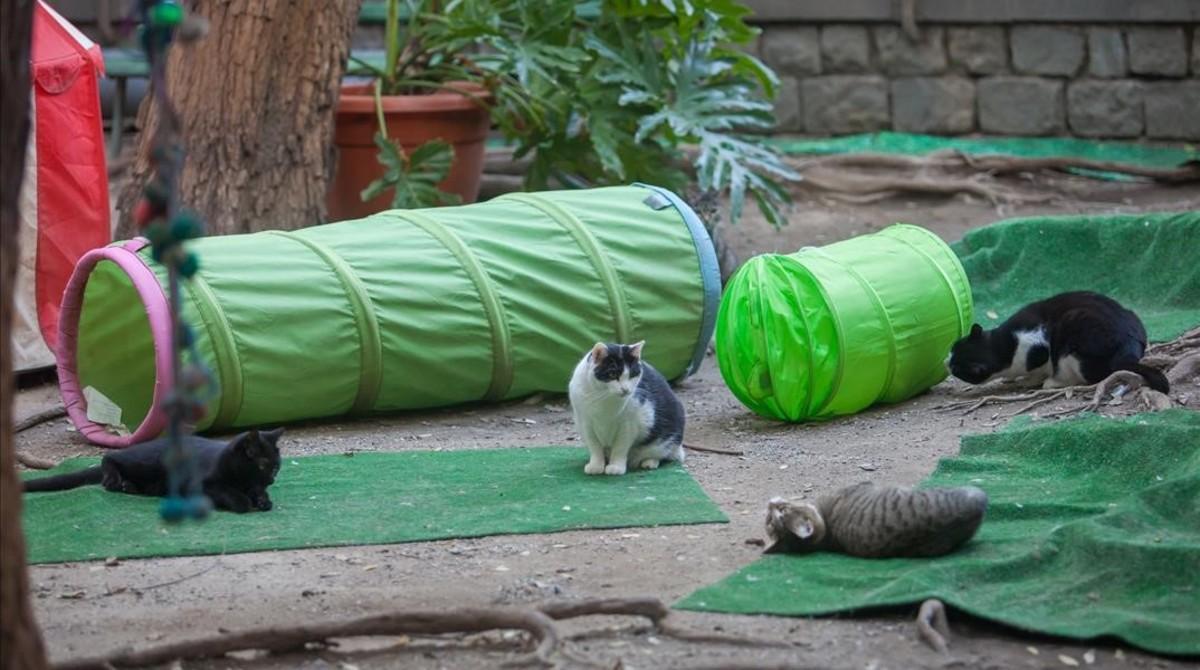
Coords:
251,442
976,331
599,351
271,436
241,441
636,349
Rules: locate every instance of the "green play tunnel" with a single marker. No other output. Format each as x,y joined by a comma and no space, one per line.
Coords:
830,331
405,309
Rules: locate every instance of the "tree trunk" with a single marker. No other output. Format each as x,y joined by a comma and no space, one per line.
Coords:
256,99
20,640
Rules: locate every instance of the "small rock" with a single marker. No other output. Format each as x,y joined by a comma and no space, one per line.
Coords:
756,542
111,562
866,466
1067,660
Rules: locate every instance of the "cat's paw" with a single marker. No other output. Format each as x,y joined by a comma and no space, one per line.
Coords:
614,469
649,464
594,468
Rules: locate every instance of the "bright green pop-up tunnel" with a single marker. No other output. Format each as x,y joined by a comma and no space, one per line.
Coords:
400,310
830,331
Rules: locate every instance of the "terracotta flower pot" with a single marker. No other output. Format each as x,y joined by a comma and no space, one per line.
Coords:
411,121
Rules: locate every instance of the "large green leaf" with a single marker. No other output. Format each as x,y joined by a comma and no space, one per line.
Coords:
414,177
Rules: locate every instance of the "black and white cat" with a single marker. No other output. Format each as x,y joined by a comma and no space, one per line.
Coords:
1066,340
625,411
234,475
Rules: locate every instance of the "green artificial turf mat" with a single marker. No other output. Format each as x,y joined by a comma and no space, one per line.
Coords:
1148,262
1092,529
373,498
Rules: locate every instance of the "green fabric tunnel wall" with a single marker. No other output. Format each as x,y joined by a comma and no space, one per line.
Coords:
405,309
829,331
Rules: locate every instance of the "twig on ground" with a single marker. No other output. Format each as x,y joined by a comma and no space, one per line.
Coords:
39,418
714,450
538,622
1131,381
932,627
178,581
970,405
1037,397
1057,394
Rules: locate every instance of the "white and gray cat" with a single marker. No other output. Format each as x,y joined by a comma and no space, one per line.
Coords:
625,411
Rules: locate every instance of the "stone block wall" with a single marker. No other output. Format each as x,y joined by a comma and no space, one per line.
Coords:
1098,81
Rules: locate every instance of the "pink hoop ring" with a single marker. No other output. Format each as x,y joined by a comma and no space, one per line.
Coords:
157,312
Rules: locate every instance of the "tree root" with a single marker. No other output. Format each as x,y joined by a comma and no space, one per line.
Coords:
537,622
1154,401
33,462
865,186
932,627
1180,346
995,164
40,418
1121,383
1184,369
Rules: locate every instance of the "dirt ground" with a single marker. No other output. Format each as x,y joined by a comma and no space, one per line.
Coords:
86,608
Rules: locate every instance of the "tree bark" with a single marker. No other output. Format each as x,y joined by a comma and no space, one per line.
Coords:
20,640
256,99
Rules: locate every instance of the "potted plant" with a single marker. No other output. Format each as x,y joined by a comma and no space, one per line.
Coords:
593,92
415,137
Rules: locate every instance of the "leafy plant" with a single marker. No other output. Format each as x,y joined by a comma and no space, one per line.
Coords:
606,91
413,177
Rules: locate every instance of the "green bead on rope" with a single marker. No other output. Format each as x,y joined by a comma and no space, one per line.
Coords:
168,228
166,15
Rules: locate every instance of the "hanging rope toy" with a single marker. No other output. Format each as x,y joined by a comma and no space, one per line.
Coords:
168,226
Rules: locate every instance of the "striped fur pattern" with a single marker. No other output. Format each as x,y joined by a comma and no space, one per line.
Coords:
872,521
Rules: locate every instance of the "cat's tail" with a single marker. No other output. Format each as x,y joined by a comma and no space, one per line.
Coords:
1154,379
70,480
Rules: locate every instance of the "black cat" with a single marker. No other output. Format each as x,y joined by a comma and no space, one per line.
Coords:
234,475
1069,339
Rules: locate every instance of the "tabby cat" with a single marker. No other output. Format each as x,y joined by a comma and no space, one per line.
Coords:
873,521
